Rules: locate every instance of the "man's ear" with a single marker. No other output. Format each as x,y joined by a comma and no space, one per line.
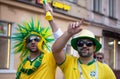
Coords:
26,46
94,48
43,43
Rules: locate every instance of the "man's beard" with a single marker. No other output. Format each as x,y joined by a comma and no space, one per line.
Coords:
85,55
34,51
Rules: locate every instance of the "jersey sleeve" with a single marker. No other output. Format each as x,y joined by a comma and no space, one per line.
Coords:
66,63
108,72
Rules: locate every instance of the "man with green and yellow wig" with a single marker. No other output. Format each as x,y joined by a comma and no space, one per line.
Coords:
32,41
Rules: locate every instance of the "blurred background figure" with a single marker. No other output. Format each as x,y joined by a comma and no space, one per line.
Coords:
100,57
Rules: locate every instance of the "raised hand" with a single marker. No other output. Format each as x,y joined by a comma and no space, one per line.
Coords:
74,27
47,8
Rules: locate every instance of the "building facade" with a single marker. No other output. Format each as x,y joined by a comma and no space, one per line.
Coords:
101,16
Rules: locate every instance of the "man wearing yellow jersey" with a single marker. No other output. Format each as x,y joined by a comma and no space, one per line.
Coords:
31,40
84,67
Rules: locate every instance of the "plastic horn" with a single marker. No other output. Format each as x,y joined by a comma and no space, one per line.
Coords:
48,15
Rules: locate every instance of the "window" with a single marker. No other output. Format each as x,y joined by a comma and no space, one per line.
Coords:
112,8
3,53
73,1
4,45
112,48
97,6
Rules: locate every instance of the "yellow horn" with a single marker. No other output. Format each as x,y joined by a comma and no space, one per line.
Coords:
48,16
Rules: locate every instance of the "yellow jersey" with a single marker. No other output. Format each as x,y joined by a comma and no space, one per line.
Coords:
46,70
71,69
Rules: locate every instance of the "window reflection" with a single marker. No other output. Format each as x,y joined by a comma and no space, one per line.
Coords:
5,32
3,53
111,52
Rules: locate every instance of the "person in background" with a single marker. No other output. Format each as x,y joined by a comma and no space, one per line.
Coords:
100,57
84,67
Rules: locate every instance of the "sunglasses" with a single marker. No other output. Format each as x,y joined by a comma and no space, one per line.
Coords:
99,58
36,39
81,43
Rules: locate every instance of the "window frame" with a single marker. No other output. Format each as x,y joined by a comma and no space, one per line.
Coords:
72,1
97,6
112,8
10,60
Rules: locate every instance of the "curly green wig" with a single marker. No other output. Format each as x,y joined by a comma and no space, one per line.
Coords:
27,29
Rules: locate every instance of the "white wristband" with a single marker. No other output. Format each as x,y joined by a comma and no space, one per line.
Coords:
57,34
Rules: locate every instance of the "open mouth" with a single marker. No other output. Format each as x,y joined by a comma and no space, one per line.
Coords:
33,46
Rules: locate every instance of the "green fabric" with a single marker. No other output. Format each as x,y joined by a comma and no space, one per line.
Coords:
74,42
91,62
37,63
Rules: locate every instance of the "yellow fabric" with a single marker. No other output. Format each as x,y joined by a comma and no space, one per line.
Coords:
45,71
71,71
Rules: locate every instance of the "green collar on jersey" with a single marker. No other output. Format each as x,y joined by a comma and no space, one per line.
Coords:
91,62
